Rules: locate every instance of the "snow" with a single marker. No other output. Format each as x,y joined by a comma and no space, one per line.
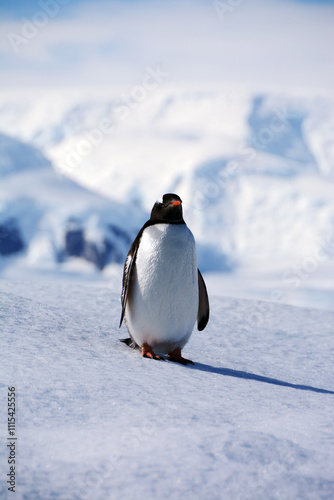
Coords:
54,219
81,167
251,420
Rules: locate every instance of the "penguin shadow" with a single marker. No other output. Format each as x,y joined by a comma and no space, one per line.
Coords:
228,372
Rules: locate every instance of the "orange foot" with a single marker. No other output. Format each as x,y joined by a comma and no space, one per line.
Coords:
177,357
147,352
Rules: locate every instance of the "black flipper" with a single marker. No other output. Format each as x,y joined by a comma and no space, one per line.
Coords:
129,268
203,304
128,275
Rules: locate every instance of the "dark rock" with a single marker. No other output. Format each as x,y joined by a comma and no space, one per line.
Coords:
11,240
74,242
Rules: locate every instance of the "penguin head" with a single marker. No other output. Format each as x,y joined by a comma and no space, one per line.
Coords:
169,210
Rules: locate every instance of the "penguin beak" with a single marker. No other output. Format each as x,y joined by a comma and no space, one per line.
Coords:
176,203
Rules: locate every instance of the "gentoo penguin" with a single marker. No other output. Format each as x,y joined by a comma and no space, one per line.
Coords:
163,290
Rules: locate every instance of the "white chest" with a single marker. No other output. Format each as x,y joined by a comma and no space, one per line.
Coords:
164,302
166,257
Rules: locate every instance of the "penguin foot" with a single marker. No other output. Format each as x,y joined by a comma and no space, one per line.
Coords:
147,352
177,357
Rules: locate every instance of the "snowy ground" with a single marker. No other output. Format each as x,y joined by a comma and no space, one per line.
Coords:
251,420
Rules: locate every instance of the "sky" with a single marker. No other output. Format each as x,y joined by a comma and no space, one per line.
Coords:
84,43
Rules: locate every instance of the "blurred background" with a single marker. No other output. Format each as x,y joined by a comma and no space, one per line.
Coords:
105,106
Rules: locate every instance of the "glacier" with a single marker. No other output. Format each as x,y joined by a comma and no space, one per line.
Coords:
254,170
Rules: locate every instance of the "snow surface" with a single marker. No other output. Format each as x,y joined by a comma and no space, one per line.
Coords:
253,419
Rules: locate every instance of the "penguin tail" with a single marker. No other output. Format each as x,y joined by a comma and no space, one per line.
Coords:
130,342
